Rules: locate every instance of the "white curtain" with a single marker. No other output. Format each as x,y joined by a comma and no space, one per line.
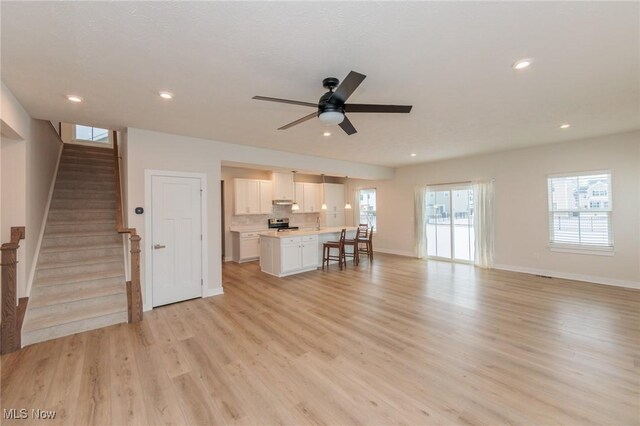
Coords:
420,222
355,204
483,201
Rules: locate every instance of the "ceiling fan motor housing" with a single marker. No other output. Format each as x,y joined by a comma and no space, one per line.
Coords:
324,105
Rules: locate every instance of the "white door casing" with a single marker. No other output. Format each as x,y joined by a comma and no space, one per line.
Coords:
176,238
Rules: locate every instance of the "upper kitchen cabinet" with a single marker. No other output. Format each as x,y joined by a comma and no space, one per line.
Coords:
309,197
266,196
252,196
312,197
282,186
334,196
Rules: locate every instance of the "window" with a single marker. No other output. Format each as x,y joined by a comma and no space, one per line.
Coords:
580,210
367,207
91,134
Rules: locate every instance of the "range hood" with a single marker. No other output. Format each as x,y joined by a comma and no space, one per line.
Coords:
282,202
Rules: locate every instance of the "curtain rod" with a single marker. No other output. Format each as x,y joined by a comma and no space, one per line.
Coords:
466,182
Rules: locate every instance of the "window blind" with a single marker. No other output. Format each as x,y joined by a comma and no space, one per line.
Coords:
580,209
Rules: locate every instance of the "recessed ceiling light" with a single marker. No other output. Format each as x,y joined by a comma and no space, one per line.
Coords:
166,95
413,154
522,64
565,126
74,98
326,134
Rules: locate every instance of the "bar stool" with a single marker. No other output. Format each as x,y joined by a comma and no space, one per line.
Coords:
326,250
368,245
353,242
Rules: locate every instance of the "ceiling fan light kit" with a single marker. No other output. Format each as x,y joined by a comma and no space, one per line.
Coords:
332,106
331,118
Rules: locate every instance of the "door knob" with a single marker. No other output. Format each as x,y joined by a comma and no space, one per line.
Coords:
159,246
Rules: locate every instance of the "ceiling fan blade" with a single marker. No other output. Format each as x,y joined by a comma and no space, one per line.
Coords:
348,86
377,108
298,121
347,126
285,101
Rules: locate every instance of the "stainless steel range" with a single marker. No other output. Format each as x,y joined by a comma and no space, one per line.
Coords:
281,225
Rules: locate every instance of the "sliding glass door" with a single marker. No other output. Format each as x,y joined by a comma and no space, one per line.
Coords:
450,233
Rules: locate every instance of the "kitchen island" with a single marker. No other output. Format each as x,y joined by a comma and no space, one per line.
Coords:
292,252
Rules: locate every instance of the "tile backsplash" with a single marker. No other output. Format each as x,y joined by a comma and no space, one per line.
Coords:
295,219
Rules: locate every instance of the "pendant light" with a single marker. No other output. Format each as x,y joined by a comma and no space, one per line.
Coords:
324,204
295,206
347,206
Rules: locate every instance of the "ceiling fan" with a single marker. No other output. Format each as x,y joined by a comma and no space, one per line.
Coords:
331,107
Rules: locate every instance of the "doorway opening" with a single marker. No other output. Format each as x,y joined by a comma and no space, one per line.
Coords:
450,231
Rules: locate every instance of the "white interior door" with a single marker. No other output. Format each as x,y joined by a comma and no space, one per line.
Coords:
176,239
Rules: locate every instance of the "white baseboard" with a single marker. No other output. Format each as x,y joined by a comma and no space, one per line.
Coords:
570,276
216,291
396,252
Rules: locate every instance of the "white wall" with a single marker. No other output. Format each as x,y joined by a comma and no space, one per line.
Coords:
29,156
42,152
162,151
521,221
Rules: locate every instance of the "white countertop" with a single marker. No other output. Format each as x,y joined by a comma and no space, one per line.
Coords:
301,232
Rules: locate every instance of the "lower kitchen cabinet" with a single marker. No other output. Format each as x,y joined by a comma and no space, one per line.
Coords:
246,246
288,256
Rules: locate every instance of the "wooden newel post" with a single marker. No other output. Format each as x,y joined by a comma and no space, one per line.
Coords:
9,333
135,292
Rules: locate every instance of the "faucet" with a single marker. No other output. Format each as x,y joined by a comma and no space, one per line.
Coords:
318,223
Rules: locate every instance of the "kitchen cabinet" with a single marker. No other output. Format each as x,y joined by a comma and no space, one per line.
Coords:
334,219
309,253
334,196
252,196
266,196
246,246
308,196
297,251
290,256
282,186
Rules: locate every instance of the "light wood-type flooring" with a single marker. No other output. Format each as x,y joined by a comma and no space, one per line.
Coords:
399,341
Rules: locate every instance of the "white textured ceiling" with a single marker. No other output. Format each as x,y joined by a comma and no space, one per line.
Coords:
450,60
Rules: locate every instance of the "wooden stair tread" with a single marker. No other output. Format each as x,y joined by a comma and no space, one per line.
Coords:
79,247
74,278
73,292
36,336
67,264
49,316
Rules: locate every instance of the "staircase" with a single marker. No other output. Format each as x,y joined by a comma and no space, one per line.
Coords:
79,282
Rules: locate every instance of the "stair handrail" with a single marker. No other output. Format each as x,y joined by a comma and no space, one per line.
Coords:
134,293
11,322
